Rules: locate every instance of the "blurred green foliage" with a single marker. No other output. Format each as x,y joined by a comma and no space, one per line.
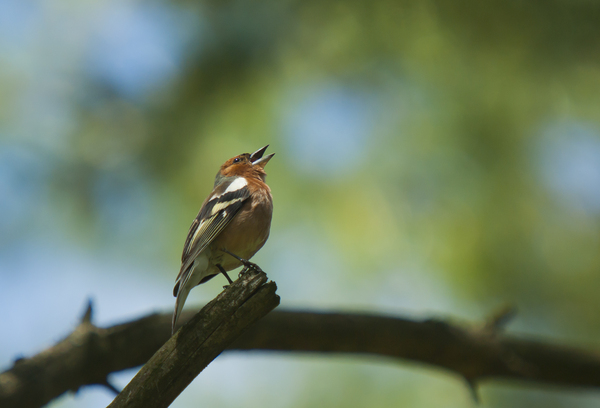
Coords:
463,117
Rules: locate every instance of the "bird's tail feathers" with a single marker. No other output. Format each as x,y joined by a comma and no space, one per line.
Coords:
181,290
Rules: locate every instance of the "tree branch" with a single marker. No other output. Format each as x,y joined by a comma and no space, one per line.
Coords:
173,367
476,353
89,354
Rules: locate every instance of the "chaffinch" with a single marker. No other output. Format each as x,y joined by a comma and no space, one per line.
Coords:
232,225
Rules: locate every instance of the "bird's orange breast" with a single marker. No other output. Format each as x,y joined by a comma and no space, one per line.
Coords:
247,232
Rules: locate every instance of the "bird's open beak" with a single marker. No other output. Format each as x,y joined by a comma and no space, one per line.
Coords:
257,158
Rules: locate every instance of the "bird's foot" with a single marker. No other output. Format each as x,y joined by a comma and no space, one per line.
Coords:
248,266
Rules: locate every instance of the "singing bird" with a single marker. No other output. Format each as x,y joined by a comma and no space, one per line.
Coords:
232,225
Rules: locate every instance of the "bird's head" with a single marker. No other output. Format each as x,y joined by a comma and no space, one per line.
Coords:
247,165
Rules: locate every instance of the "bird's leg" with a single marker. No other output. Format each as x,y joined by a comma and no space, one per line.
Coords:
225,274
247,264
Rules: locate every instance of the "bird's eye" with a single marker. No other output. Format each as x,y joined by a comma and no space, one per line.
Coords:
236,160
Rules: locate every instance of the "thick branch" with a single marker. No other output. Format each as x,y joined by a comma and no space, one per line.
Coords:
172,368
89,354
476,353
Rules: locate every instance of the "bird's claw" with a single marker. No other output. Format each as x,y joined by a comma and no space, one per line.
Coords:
253,267
249,266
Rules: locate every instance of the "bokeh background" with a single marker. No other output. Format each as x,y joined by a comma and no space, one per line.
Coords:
434,159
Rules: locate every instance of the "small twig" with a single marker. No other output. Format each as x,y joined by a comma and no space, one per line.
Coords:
88,314
500,318
473,390
111,387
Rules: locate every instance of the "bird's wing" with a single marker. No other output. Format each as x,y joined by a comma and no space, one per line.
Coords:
216,213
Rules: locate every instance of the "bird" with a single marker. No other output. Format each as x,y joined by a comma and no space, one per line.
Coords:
234,222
